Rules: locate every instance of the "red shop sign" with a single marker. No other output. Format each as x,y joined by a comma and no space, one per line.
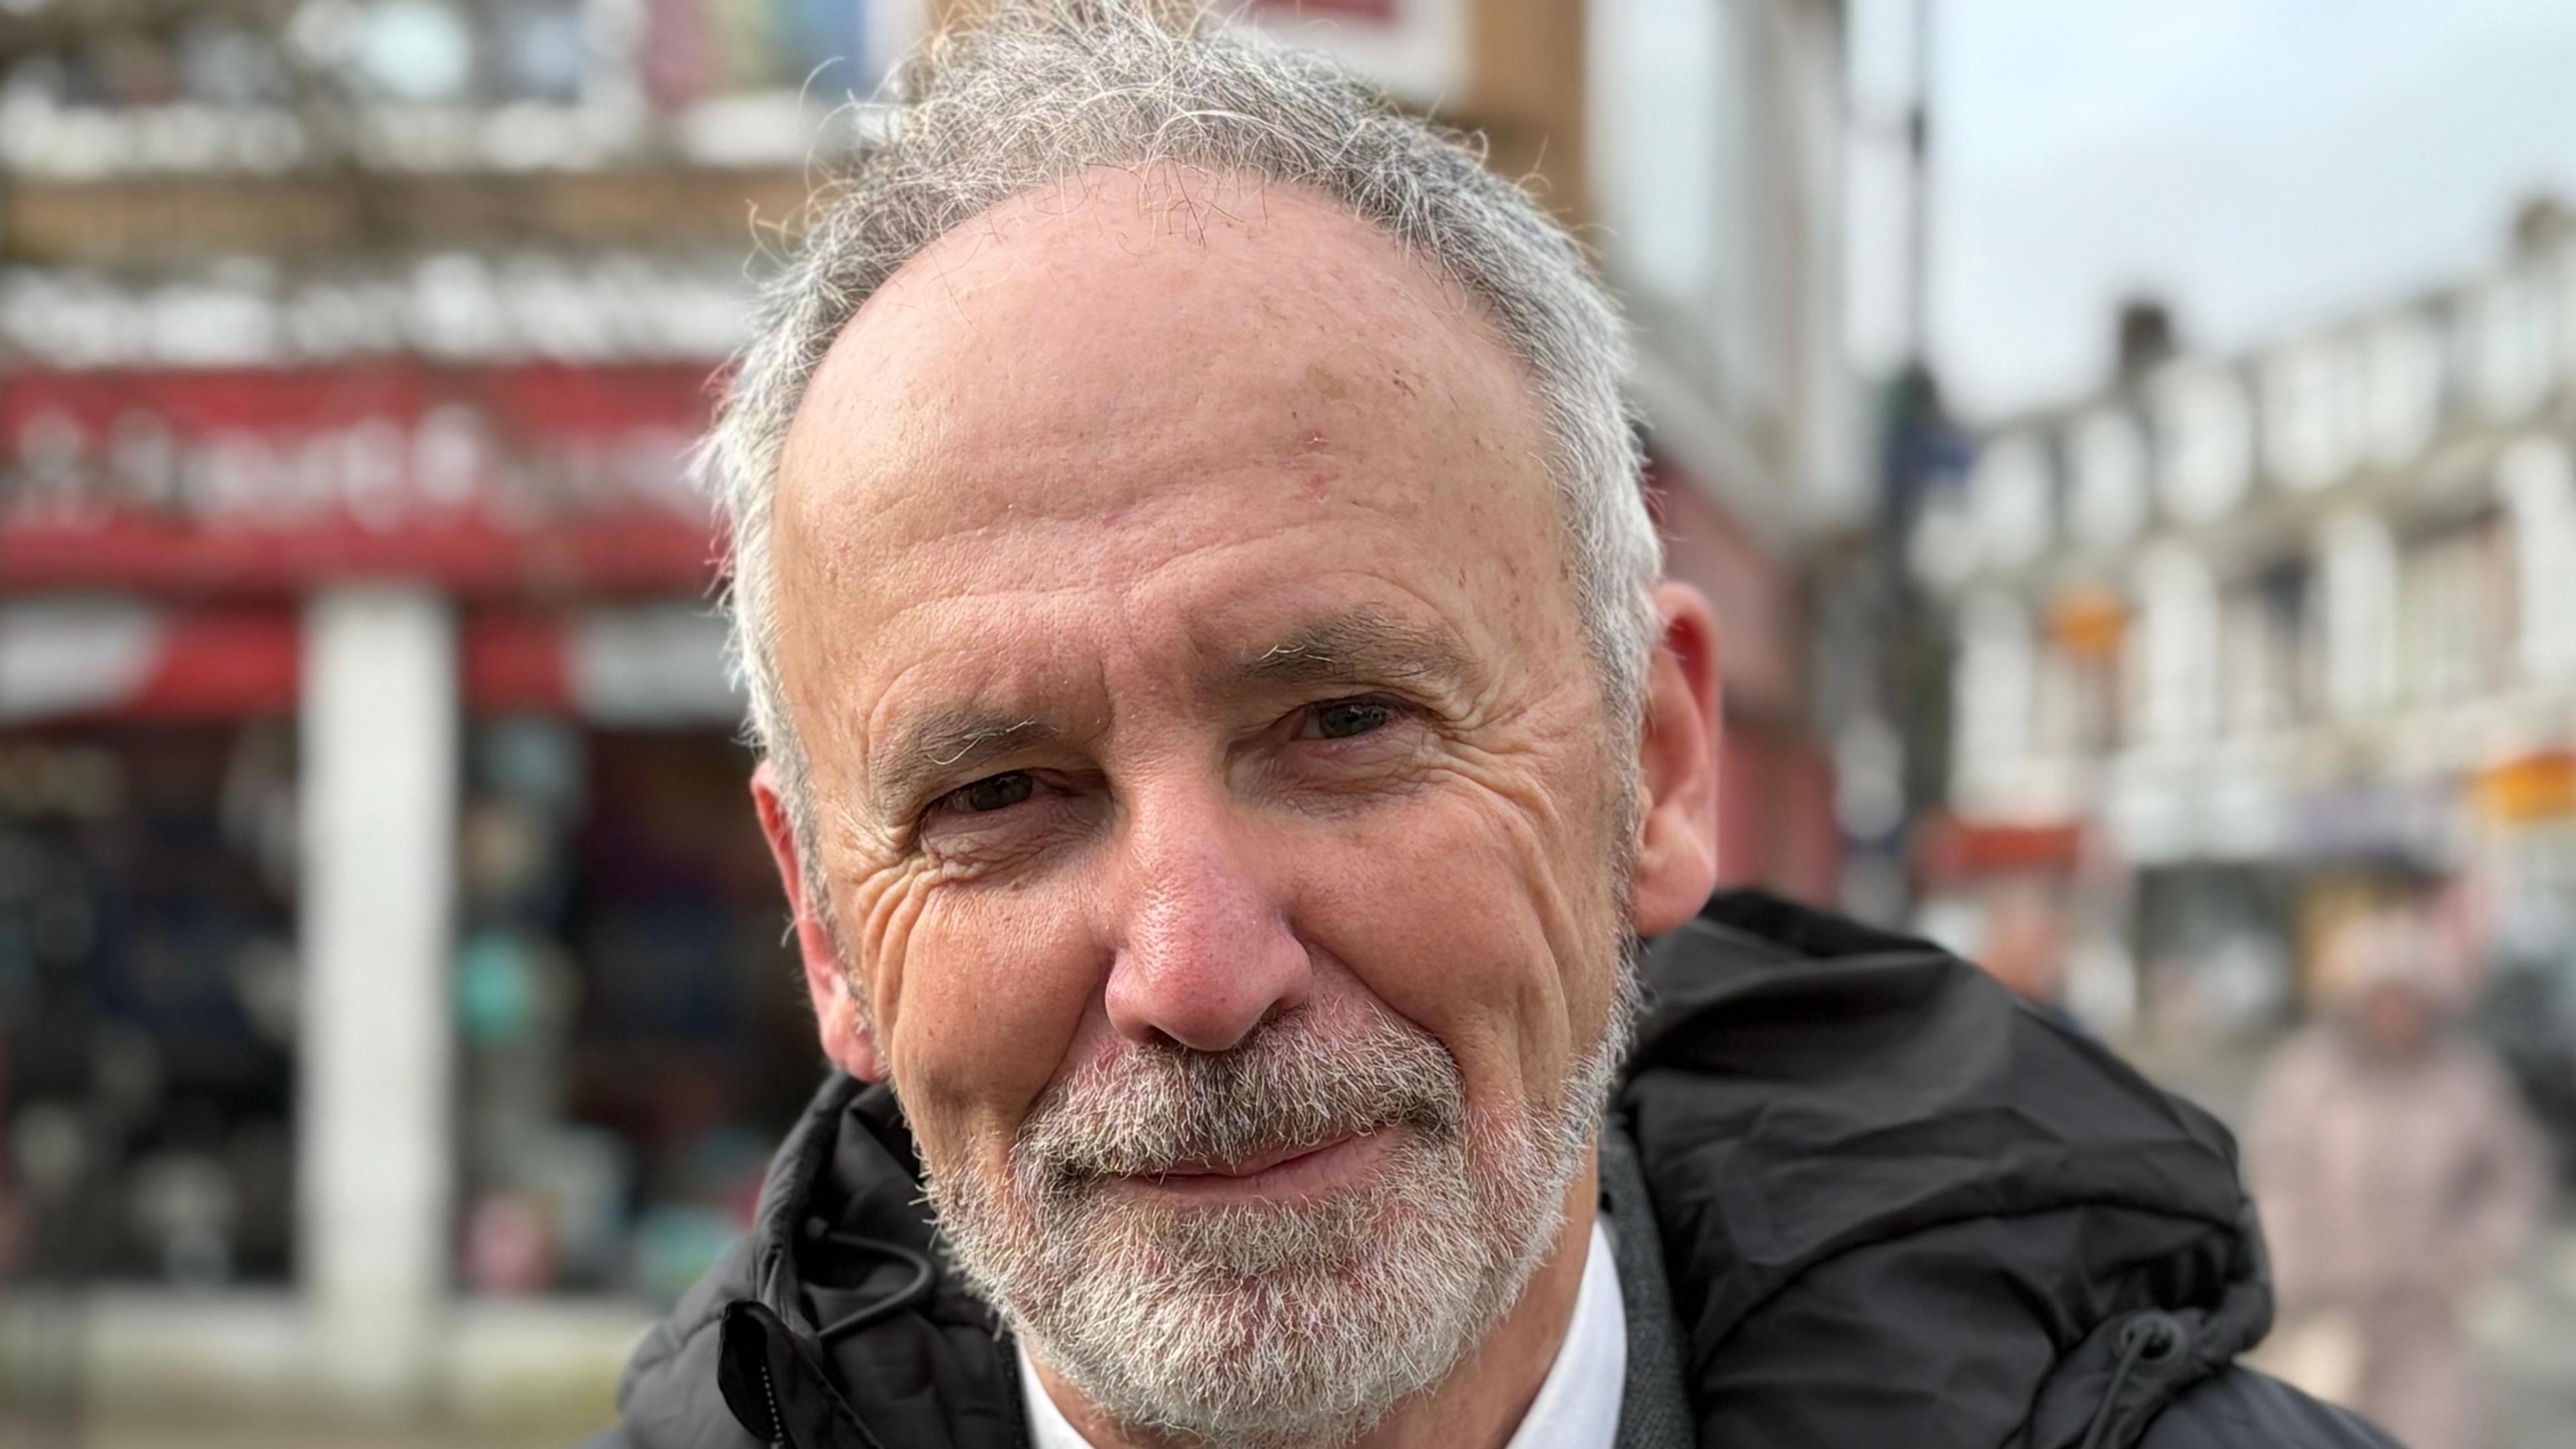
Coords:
483,479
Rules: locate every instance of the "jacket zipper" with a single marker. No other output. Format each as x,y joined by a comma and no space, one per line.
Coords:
776,1433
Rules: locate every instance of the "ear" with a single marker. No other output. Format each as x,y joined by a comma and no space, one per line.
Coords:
833,987
1677,758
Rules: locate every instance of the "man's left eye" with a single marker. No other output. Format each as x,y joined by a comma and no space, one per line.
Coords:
1345,718
995,792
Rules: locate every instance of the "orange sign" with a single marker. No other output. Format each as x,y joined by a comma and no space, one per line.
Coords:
2087,620
2539,786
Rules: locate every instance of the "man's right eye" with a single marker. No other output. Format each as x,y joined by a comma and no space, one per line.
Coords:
993,792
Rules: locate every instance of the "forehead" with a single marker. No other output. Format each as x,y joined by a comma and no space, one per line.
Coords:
1087,384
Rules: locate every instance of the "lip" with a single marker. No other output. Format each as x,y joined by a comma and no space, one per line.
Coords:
1288,1173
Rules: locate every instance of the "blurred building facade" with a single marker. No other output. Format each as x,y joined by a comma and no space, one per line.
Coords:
392,998
392,957
2247,643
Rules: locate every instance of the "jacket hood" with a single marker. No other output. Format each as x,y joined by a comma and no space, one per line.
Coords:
1901,1206
1893,1206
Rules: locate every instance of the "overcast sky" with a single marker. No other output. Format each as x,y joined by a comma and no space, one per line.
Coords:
2261,164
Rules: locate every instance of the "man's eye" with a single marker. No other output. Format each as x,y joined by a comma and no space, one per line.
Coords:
994,792
1343,719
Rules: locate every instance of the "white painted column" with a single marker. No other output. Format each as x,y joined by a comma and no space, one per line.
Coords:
2539,489
2357,571
1994,704
2173,681
379,782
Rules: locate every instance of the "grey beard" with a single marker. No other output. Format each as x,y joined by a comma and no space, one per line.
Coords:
1273,1325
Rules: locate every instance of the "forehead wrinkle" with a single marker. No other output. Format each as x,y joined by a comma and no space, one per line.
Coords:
1141,552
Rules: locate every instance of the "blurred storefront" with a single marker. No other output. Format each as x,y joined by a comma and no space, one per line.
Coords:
1714,136
394,995
2288,635
393,998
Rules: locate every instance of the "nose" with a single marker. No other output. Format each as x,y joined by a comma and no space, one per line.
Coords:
1205,952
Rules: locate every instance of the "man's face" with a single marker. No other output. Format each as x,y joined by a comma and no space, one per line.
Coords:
1219,808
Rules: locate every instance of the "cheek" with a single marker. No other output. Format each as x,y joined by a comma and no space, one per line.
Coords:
1477,921
984,993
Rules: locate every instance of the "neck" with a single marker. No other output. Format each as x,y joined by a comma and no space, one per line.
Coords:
1483,1399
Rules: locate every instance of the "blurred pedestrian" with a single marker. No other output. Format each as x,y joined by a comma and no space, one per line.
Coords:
2024,943
2396,1174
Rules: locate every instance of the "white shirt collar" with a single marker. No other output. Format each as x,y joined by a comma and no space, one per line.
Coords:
1577,1405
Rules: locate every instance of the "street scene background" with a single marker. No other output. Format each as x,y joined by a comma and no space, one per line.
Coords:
2128,449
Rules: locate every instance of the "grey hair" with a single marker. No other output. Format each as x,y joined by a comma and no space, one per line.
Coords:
1035,92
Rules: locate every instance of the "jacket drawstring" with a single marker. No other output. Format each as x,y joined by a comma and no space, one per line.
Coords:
2150,1339
924,1274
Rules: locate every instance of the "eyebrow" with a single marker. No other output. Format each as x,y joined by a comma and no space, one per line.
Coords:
1362,647
946,745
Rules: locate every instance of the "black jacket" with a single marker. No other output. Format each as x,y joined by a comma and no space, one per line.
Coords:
1892,1207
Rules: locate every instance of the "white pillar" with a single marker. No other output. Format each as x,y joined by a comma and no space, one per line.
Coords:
2173,681
2358,572
379,782
2539,490
1994,703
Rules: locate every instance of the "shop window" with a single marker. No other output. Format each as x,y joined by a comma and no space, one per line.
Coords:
462,53
1674,98
693,49
2453,613
147,1003
2205,435
420,51
2505,345
2216,949
631,1019
2312,400
2402,382
2010,500
2249,686
2264,681
1416,50
2109,497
